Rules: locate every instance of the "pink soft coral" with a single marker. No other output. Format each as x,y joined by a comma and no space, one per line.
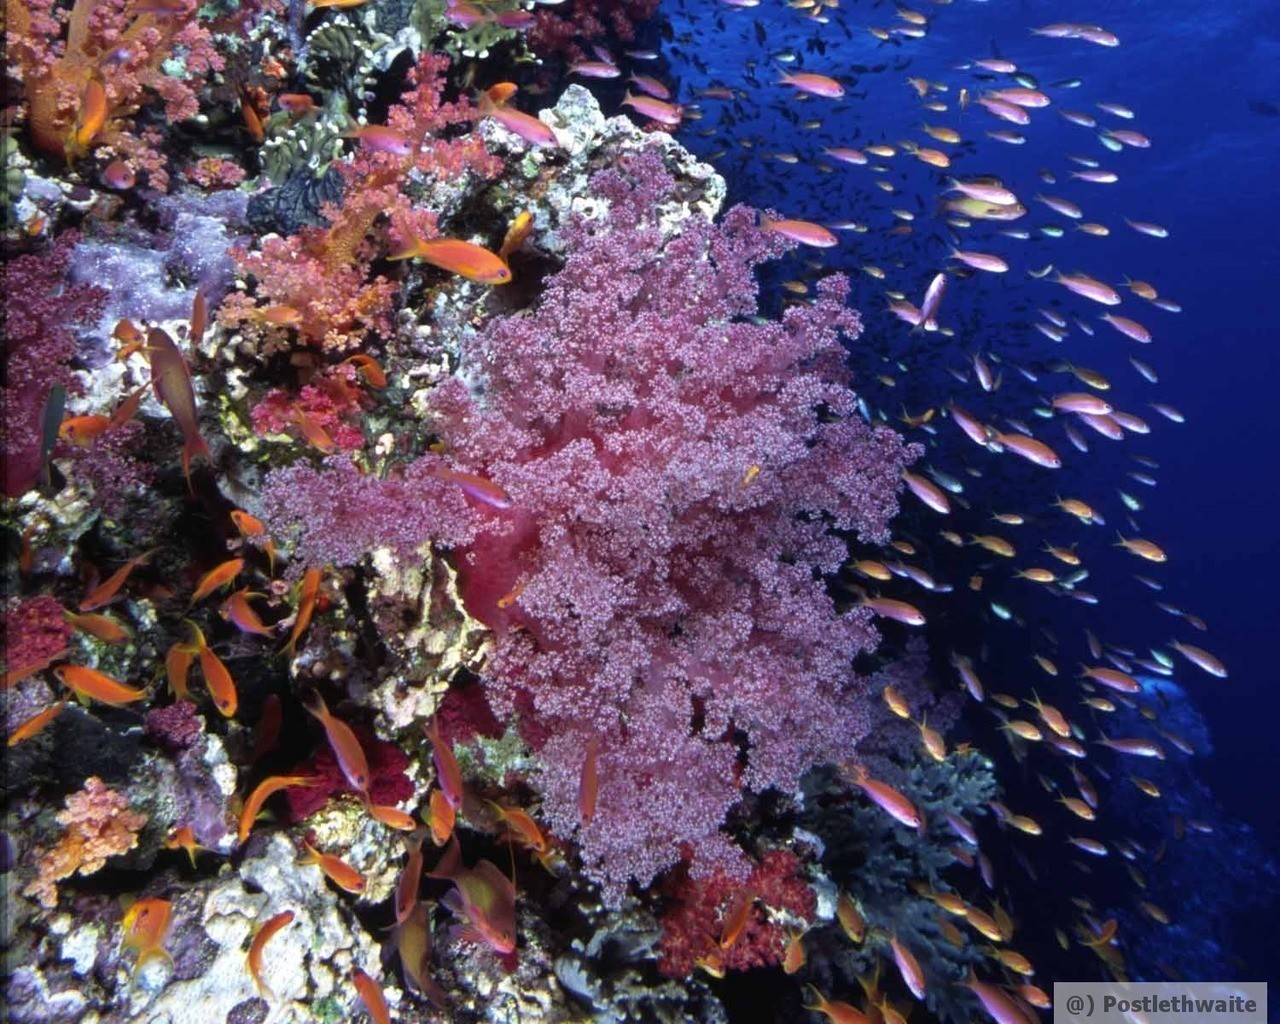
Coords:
678,473
323,274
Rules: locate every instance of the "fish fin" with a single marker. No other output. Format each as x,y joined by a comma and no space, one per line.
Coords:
449,863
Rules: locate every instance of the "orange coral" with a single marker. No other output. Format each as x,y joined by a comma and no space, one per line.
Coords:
99,825
122,47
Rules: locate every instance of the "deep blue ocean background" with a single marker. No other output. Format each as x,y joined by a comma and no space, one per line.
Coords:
1204,80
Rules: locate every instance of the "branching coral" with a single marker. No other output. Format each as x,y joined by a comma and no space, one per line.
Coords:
676,472
99,825
123,49
322,275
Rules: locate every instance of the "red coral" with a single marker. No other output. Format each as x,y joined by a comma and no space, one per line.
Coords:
35,632
332,403
569,29
388,782
464,713
694,923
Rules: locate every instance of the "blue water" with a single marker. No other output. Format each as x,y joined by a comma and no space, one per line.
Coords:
1204,80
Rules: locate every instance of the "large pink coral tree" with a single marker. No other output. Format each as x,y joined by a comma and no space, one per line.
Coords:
680,472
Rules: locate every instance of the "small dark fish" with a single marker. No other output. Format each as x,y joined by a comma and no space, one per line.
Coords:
50,421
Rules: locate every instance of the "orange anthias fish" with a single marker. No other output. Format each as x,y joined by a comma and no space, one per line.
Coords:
90,121
306,607
221,686
441,817
146,926
371,995
346,748
448,774
337,870
392,817
737,916
219,576
103,627
262,792
183,838
517,233
522,826
264,934
836,1012
473,262
82,431
406,894
91,684
237,610
171,378
35,724
105,592
177,666
250,526
483,897
369,369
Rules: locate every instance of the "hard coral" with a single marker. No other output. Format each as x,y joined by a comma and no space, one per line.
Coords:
99,825
123,46
693,926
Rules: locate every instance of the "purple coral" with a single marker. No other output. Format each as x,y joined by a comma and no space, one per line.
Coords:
678,471
41,314
174,727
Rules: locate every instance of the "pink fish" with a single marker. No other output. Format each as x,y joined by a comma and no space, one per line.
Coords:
802,231
654,109
814,84
483,898
171,378
478,487
525,125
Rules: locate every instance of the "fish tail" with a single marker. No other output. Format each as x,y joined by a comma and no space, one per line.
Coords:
147,955
450,861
